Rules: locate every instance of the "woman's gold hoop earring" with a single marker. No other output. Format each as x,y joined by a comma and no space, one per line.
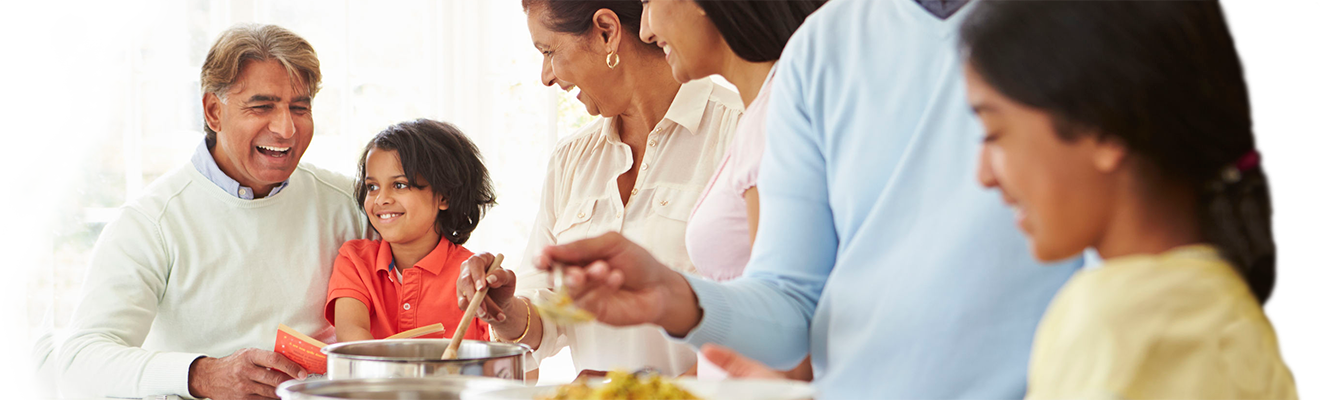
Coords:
612,60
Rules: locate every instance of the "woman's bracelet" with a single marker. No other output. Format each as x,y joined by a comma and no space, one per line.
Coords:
528,320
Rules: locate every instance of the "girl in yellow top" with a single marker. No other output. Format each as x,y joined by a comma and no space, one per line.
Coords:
1125,127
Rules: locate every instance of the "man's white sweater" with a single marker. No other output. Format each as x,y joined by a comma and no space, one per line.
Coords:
189,270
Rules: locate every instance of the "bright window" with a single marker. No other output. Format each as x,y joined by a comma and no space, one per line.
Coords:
470,63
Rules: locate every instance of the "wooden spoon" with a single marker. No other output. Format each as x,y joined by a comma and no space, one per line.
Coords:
474,304
420,331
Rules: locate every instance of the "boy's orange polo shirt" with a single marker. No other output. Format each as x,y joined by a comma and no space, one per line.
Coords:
424,295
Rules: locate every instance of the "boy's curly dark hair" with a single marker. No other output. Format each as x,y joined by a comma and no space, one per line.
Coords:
438,154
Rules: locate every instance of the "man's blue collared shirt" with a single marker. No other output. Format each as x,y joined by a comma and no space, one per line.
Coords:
206,165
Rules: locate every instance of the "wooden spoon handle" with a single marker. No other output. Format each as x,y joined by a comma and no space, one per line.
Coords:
420,331
474,304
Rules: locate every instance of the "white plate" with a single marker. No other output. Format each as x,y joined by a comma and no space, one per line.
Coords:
731,389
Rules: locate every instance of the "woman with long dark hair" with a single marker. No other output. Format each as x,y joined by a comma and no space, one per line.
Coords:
1125,126
741,40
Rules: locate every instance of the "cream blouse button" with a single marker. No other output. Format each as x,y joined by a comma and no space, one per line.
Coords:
634,191
406,306
580,215
618,214
644,167
653,143
662,203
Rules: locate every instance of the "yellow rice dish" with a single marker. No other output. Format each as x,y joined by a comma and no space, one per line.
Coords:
623,385
562,311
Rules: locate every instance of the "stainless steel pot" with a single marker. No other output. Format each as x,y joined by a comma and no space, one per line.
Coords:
420,358
434,388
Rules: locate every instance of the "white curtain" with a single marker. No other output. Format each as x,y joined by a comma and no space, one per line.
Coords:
133,67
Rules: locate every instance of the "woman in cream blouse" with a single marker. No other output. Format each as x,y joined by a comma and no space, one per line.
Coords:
637,170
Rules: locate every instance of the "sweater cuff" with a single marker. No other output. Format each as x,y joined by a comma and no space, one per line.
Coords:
716,321
168,373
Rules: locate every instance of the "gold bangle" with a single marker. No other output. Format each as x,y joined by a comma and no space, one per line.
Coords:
528,320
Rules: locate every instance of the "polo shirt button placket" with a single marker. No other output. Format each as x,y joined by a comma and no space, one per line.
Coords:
411,286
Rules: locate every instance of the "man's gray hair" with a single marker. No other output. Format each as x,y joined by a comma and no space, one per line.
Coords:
252,42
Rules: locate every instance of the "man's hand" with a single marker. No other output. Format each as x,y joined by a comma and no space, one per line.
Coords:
247,374
622,284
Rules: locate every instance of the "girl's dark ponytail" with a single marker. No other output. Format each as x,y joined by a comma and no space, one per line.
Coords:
1235,217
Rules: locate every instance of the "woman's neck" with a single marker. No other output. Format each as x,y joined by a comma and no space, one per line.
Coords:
748,77
1150,223
652,90
406,254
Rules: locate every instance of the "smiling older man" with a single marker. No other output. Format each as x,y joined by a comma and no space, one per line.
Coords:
219,251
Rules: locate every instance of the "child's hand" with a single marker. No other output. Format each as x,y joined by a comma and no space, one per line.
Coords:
501,284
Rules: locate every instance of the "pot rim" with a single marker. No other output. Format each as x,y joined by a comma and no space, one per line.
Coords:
518,350
311,387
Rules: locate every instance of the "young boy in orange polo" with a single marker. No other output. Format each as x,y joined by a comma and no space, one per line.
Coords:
424,189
